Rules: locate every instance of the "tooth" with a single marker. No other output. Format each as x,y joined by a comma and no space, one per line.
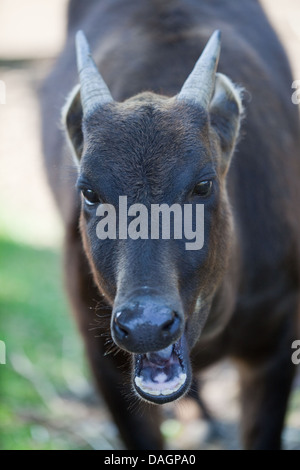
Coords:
152,392
138,381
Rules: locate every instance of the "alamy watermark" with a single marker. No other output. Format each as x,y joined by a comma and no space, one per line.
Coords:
2,352
161,222
296,354
2,92
296,94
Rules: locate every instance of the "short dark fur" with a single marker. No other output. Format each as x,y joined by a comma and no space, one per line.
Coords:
152,149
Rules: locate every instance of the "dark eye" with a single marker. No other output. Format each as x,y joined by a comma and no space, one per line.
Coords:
203,188
90,197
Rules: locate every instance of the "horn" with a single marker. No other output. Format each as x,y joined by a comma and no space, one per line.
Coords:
199,86
94,91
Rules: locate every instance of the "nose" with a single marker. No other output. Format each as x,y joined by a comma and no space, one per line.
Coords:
145,325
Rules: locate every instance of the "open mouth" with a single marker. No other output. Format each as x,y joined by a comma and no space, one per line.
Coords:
164,375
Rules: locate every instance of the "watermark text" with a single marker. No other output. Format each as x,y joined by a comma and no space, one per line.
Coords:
2,352
296,354
296,94
160,222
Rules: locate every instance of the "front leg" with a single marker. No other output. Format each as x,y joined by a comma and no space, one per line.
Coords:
265,390
138,423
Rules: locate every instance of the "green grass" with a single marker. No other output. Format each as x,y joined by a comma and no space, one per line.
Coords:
41,342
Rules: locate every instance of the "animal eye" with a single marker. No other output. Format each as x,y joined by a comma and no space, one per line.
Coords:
203,188
90,197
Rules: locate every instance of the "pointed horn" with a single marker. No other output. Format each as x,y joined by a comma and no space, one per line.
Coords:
199,86
94,91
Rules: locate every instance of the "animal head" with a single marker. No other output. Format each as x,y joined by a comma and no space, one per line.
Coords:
148,151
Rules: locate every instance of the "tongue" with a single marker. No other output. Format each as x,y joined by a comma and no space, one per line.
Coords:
161,357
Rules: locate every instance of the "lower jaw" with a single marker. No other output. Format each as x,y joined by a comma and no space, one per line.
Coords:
171,390
162,399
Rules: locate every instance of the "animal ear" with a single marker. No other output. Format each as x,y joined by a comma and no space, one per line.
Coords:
72,121
226,111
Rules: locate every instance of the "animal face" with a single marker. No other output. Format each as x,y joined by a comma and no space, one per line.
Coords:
156,151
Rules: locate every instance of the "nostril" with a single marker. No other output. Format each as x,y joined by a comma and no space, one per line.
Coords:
123,331
119,328
169,323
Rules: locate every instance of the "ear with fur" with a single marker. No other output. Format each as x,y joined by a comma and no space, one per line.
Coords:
72,122
226,111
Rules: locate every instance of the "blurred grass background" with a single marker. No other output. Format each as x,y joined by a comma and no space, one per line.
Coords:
46,397
33,323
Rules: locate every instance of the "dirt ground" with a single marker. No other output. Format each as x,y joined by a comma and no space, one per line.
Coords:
27,47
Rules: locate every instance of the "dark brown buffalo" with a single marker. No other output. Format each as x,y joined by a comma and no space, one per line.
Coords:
153,135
